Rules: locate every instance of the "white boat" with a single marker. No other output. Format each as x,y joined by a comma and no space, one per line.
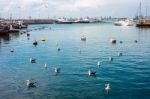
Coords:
128,22
63,21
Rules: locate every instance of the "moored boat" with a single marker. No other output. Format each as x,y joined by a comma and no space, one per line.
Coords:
143,23
82,21
128,22
4,30
63,21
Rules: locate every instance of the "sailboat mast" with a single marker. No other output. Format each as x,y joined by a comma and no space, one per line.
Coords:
146,12
140,14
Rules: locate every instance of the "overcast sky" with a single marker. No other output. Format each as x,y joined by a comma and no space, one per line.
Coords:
71,8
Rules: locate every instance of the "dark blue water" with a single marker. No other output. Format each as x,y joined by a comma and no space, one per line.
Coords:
128,75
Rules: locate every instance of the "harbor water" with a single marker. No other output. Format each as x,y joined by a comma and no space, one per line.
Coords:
128,75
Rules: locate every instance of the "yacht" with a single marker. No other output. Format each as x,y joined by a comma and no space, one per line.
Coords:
128,22
63,21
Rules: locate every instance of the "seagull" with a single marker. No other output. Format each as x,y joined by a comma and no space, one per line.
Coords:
45,65
135,41
110,59
98,63
113,40
57,70
32,60
28,34
58,48
30,84
12,50
107,88
121,42
119,54
83,38
91,73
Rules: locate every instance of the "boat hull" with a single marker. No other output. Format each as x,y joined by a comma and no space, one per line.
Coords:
64,22
142,25
6,32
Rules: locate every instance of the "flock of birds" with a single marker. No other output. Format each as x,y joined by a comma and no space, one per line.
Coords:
31,84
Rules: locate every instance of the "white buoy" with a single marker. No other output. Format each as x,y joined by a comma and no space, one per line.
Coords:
91,73
57,70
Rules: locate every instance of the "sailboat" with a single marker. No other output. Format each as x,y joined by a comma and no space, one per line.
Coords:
142,22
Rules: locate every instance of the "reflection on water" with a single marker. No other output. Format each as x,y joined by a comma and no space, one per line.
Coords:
6,38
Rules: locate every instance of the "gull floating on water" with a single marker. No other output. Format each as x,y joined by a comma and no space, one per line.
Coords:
119,54
121,41
45,66
107,87
91,73
32,60
12,50
113,40
30,84
83,38
28,34
98,63
110,59
58,48
57,70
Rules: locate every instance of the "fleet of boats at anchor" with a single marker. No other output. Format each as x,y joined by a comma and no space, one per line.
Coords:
7,27
139,23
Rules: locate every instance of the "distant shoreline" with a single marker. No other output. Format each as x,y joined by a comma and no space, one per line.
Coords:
55,21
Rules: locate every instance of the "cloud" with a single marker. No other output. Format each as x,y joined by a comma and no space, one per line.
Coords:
80,4
67,7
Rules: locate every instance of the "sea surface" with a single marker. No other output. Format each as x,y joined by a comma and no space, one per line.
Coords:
128,75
